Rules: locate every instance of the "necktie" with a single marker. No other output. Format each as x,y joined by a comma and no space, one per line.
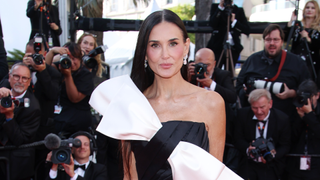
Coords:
261,129
80,166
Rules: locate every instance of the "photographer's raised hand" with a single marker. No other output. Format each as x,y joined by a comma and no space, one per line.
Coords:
54,167
206,81
54,51
191,70
287,93
69,168
4,92
304,109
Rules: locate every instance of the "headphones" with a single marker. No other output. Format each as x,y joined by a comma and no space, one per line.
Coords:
93,144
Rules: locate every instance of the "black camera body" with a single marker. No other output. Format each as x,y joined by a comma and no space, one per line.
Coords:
37,58
62,154
264,148
199,70
89,59
65,61
301,99
6,102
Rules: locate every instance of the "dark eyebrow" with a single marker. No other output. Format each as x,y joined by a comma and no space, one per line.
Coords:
173,39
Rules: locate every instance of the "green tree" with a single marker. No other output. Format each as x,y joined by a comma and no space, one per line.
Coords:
16,54
185,12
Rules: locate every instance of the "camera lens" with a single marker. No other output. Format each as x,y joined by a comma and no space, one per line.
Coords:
38,59
62,156
90,62
65,62
6,102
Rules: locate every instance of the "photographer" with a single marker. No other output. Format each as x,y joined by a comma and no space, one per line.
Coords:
18,124
50,22
88,42
306,34
72,109
274,65
306,134
80,167
257,122
218,21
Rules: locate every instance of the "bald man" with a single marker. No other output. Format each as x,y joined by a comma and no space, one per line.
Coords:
214,79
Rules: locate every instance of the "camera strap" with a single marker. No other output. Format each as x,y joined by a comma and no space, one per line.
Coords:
283,59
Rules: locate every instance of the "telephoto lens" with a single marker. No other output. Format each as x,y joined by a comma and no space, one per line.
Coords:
65,61
37,59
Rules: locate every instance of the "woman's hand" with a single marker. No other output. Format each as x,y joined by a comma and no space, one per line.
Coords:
54,26
60,50
305,34
293,18
65,72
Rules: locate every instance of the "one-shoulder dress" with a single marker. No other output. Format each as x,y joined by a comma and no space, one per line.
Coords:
151,157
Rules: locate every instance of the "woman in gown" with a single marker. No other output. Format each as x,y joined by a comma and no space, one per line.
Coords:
310,31
187,112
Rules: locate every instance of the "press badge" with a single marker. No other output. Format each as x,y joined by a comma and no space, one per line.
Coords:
305,162
57,109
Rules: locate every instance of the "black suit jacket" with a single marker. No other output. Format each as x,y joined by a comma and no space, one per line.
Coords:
20,130
278,129
95,171
46,91
224,85
218,21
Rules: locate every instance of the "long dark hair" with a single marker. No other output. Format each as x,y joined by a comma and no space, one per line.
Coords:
142,77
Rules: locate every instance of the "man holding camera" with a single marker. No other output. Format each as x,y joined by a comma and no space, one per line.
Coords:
218,21
80,167
262,135
274,65
18,124
305,134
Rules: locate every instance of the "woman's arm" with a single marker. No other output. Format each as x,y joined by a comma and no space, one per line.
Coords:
216,124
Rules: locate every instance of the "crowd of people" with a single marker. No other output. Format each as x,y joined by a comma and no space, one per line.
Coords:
263,124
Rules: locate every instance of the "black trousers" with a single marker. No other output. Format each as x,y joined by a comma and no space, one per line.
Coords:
258,171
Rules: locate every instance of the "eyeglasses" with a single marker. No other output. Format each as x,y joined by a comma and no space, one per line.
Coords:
275,40
17,78
93,35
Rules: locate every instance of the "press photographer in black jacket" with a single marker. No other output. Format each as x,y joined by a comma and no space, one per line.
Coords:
306,134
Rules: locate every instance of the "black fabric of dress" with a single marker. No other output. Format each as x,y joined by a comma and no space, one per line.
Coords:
151,157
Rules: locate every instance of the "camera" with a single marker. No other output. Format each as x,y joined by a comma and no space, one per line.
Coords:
63,152
273,87
6,102
264,148
37,58
65,61
200,69
301,99
227,3
89,59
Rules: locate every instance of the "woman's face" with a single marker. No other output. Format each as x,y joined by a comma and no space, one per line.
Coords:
166,49
87,44
310,10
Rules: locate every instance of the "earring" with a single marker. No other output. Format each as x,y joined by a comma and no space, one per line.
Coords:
145,63
185,60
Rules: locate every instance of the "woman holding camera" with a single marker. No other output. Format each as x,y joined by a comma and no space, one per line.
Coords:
87,43
308,33
72,109
50,20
